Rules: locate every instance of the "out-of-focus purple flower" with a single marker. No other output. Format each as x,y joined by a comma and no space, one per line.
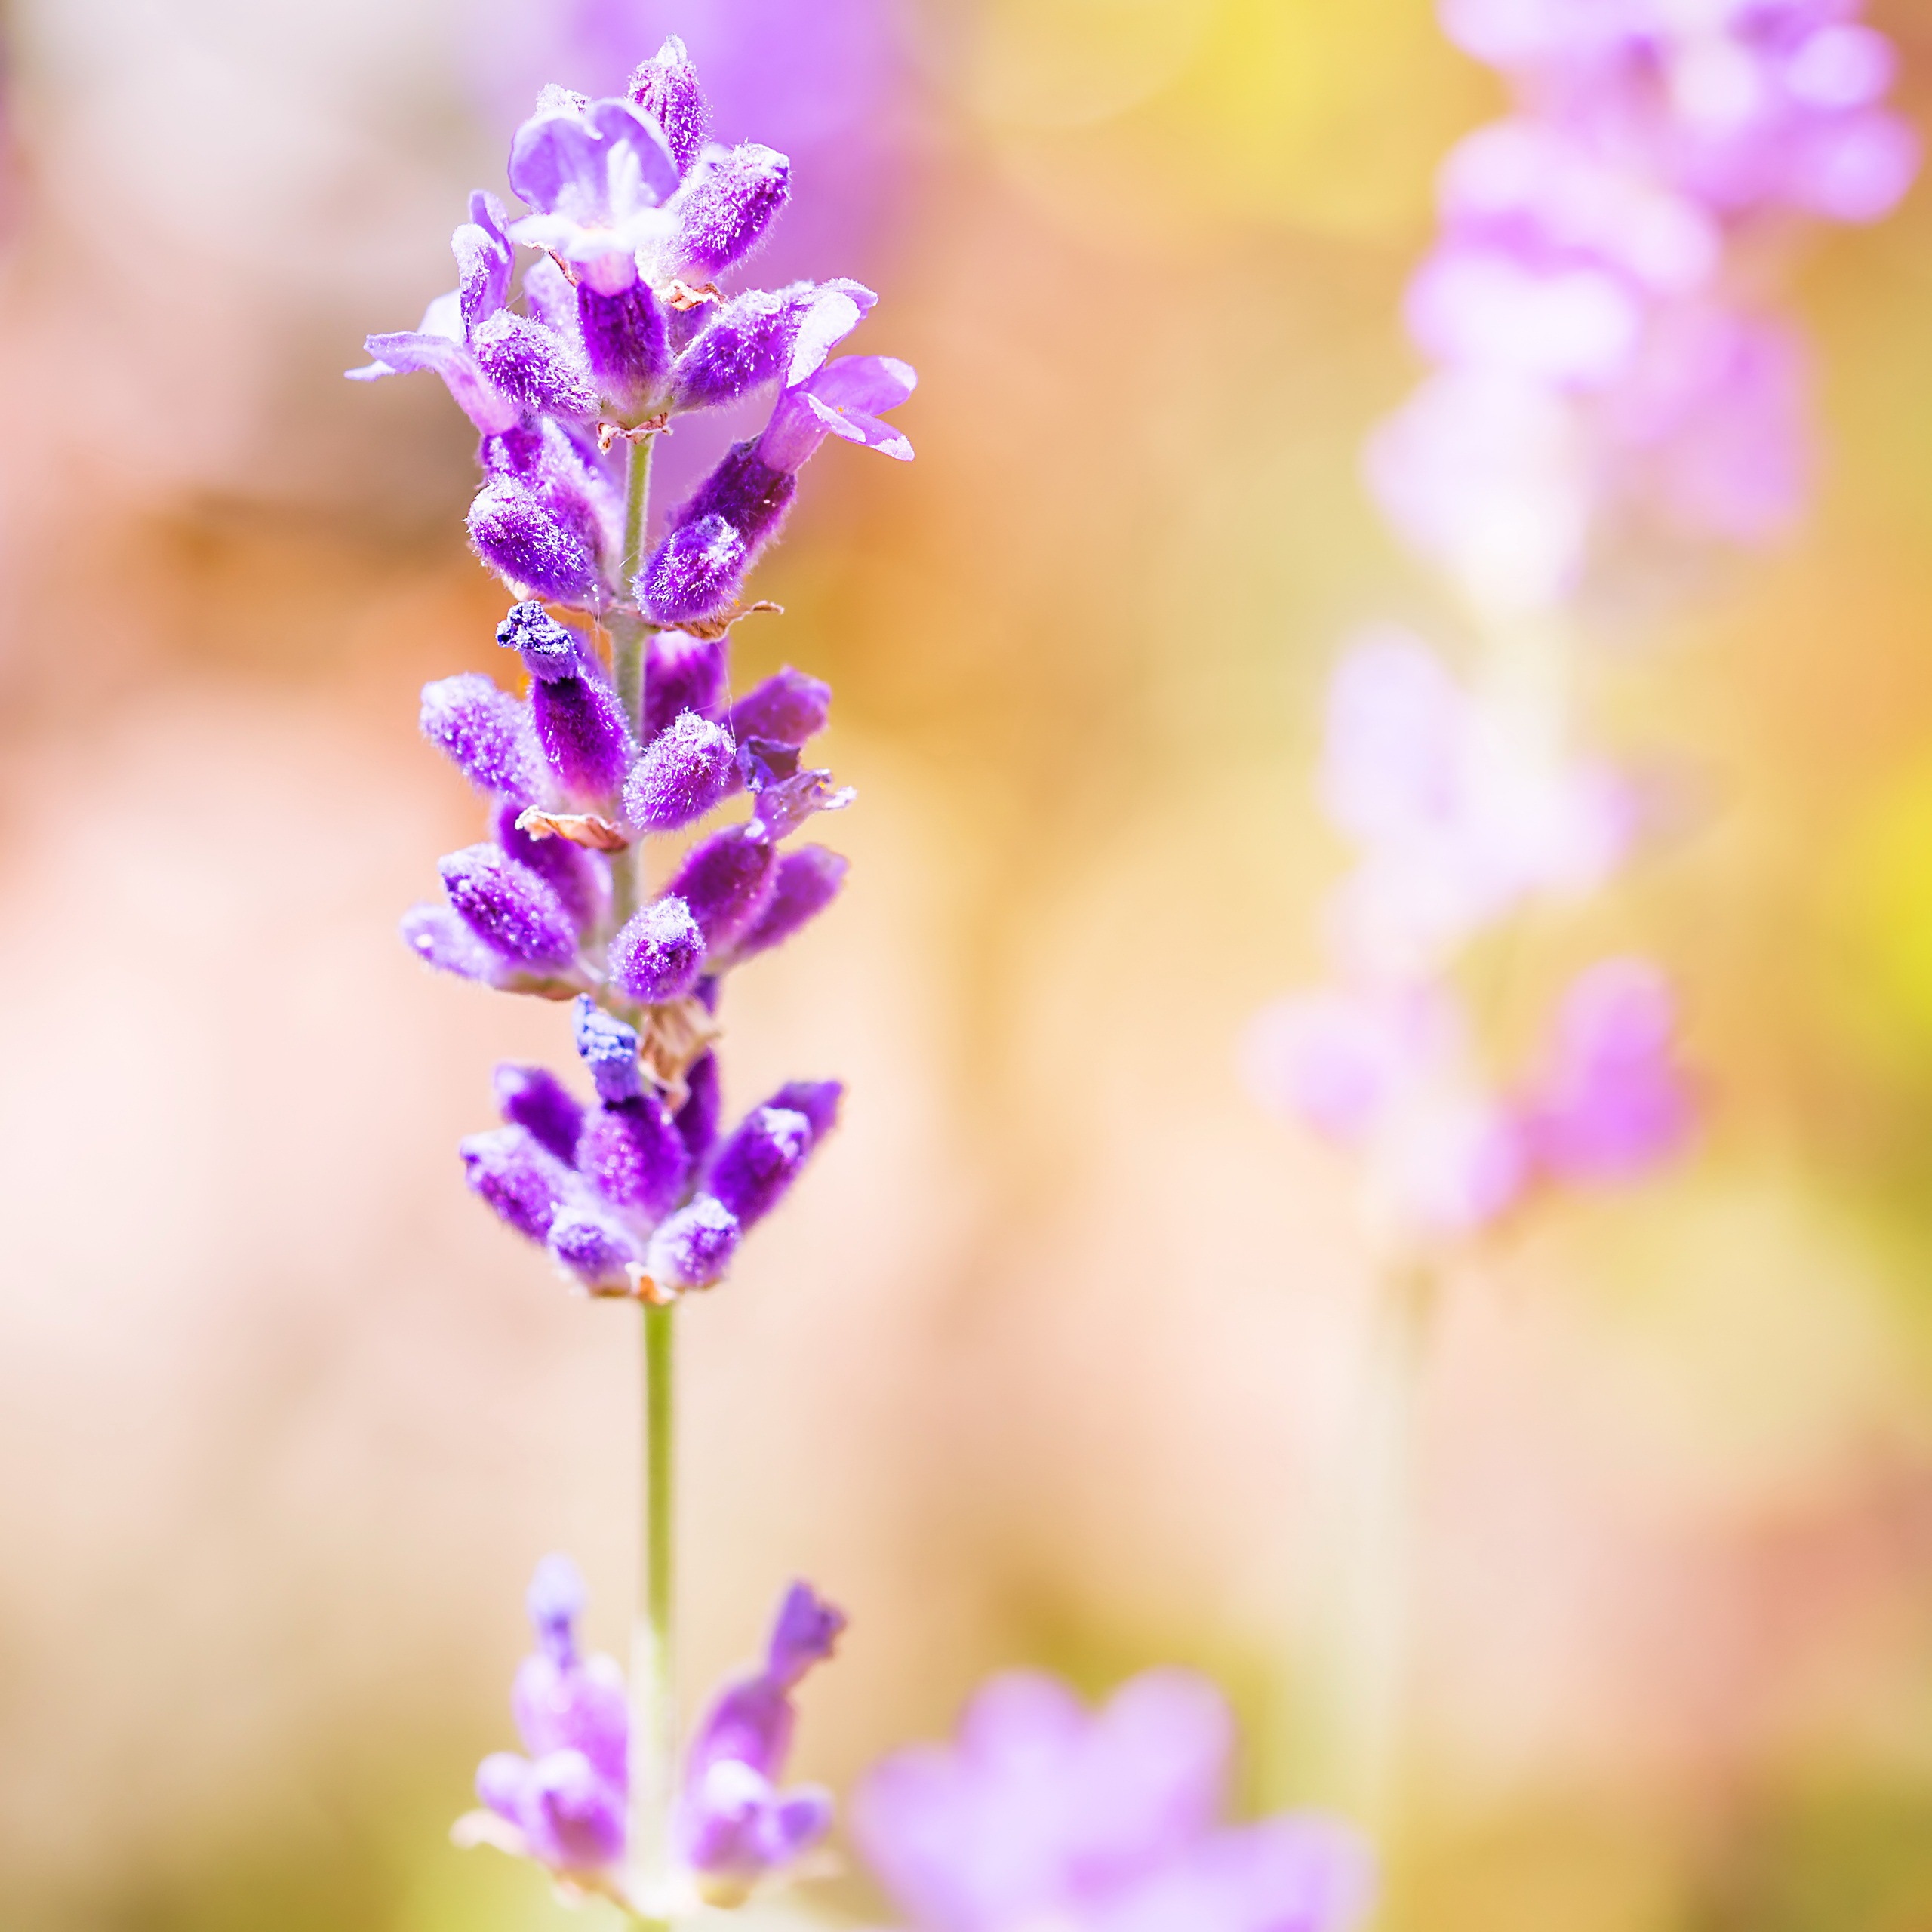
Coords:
1388,1075
693,1247
1043,1813
697,1119
598,177
787,708
564,1802
1460,808
734,1826
754,1169
1611,1103
807,880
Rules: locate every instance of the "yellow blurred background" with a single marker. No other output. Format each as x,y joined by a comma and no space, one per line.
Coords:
1052,1359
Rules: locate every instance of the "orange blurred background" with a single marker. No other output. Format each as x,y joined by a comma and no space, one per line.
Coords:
1054,1358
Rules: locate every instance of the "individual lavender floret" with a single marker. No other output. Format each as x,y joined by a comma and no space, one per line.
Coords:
754,1169
444,343
597,175
694,574
695,1248
659,953
1043,1813
752,340
520,536
734,1827
534,1098
787,708
806,882
682,673
518,1176
514,912
725,208
579,722
687,769
665,88
485,734
564,1803
726,880
594,1248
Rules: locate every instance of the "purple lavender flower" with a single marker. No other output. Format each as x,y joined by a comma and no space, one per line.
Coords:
613,331
1041,1812
1611,1104
564,1802
734,1826
598,174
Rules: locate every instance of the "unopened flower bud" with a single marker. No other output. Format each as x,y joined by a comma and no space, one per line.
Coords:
757,1165
818,1100
682,673
725,882
534,366
659,953
694,1248
579,722
518,1176
725,206
696,1120
508,907
580,878
593,1248
485,733
665,87
807,881
439,938
696,571
534,1098
633,1156
787,708
685,770
530,545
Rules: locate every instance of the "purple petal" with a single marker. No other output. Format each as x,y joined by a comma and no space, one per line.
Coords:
805,1631
486,406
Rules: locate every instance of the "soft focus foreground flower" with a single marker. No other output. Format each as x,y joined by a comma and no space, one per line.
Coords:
1601,362
622,326
564,1804
1042,1814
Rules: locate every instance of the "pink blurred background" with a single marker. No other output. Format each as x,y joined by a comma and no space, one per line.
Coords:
1054,1357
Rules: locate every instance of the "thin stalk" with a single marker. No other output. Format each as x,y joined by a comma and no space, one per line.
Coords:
627,883
654,1728
1357,1706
